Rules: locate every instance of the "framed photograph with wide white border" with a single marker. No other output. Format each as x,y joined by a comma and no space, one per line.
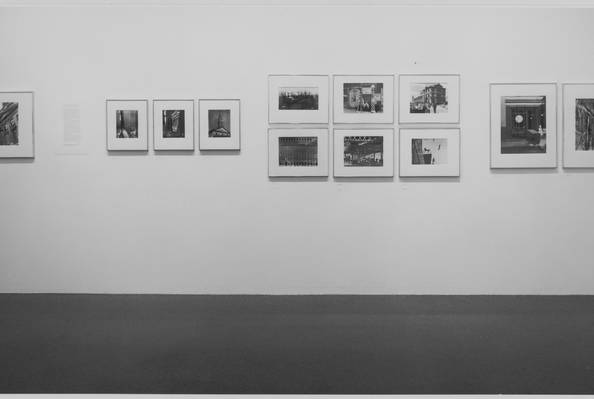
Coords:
127,125
173,125
578,125
523,125
219,124
363,152
429,152
297,152
298,99
429,99
16,125
363,99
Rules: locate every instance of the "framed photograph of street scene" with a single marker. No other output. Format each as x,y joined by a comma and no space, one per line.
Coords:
363,152
297,152
16,125
364,99
524,125
173,125
219,124
127,125
298,99
578,125
429,99
429,152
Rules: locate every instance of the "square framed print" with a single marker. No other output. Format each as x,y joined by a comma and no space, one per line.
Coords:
363,99
578,125
173,125
16,125
523,125
363,152
297,152
219,124
298,99
127,125
429,152
429,99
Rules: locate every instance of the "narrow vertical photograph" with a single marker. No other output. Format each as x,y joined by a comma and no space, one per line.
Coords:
126,124
523,124
174,123
584,124
429,98
298,98
298,151
9,123
363,151
219,123
429,151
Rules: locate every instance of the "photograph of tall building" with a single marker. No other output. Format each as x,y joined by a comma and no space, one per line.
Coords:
9,123
584,124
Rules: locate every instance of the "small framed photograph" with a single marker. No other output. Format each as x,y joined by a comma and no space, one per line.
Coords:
298,99
429,152
364,99
16,125
429,99
578,125
127,125
297,152
363,152
524,125
173,124
219,125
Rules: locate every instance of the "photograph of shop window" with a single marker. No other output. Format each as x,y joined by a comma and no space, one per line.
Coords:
523,124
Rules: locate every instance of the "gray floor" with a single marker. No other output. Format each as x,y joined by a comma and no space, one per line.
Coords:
296,344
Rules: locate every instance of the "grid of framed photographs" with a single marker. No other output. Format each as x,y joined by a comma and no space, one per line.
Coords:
16,125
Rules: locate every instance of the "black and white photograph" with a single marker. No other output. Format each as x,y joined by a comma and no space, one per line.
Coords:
298,152
584,124
9,123
429,99
363,152
578,125
298,99
523,124
219,121
430,152
16,125
363,99
127,125
173,125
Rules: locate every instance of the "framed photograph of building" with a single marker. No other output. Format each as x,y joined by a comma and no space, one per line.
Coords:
173,124
16,125
297,152
429,152
429,99
298,99
364,99
219,124
127,125
524,125
363,152
578,125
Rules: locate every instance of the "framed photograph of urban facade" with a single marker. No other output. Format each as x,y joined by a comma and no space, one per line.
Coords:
173,124
578,125
429,152
219,124
363,152
429,99
298,99
297,152
127,125
523,125
363,99
16,125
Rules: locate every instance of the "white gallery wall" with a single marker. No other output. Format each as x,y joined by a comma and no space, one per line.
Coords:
77,219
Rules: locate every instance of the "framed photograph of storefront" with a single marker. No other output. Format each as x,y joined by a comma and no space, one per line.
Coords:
297,152
578,125
127,125
363,152
429,152
299,99
16,125
219,124
173,125
429,99
523,125
363,99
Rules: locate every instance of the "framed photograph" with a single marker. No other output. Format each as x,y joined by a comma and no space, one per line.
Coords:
298,99
173,124
429,152
364,99
127,125
16,125
219,124
524,125
363,152
429,98
578,125
297,152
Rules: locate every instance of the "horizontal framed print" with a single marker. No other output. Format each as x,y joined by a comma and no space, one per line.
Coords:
219,124
173,124
298,99
429,98
363,152
524,125
429,152
16,125
363,99
578,125
297,152
127,125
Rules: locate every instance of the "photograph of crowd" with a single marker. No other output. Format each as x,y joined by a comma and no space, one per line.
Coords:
363,151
